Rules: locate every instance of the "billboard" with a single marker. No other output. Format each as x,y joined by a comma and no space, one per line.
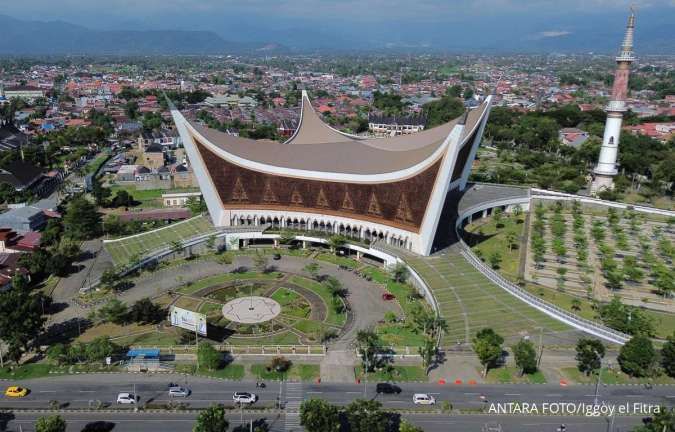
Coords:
188,320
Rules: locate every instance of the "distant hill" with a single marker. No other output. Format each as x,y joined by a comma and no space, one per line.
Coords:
58,37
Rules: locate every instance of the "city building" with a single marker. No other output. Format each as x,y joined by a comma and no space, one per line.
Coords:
391,190
29,93
380,125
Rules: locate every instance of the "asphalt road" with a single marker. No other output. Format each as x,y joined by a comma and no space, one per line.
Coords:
78,390
183,422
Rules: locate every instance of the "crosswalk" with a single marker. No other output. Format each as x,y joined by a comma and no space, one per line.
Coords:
294,397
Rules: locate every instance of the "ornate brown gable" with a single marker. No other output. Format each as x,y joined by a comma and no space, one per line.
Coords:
381,202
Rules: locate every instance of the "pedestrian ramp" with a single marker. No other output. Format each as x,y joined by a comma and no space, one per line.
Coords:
294,397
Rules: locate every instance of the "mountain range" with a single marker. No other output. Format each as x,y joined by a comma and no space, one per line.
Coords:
58,37
600,33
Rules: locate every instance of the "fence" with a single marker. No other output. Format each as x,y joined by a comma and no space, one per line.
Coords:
272,350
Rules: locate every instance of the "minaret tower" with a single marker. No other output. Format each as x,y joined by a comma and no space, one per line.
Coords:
605,171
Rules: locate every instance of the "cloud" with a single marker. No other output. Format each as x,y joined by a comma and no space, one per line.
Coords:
552,34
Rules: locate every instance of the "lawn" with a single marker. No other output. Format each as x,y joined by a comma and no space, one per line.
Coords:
283,338
491,239
338,260
509,374
304,372
292,303
613,376
122,250
220,279
469,301
28,371
231,371
332,317
399,335
393,373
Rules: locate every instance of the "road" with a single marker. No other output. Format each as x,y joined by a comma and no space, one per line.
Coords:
80,391
183,422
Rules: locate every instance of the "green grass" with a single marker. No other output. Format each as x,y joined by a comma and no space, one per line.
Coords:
94,165
28,371
508,374
220,279
614,376
495,241
331,316
469,301
338,260
305,372
231,371
394,373
284,296
209,307
122,250
308,326
399,335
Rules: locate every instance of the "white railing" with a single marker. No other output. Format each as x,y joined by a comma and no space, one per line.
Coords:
549,309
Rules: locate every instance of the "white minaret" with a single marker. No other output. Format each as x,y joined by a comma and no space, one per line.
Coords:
605,171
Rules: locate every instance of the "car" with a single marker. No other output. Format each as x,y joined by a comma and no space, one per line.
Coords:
244,397
126,398
178,391
423,399
388,296
387,388
16,391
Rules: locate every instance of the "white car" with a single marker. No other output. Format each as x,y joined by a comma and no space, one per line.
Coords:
178,391
244,398
423,399
126,398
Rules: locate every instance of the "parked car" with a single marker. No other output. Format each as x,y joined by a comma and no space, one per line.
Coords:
126,398
387,388
388,296
244,397
16,391
423,399
178,391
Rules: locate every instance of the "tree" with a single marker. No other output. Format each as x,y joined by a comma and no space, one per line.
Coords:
211,242
115,311
428,352
668,356
399,273
313,269
406,426
211,419
442,110
525,356
144,311
497,216
663,421
21,316
100,193
57,353
131,109
511,240
590,353
53,423
320,416
176,246
109,278
100,348
625,318
81,221
335,242
208,356
637,356
260,261
197,205
366,416
123,199
495,259
368,345
488,347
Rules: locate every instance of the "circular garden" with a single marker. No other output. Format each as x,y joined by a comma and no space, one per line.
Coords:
308,312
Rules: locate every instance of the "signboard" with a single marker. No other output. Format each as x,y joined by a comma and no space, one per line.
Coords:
188,320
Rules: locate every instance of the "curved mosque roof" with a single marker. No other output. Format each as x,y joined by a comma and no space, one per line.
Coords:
317,147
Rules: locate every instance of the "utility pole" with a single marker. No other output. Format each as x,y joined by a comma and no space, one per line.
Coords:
2,363
597,386
541,345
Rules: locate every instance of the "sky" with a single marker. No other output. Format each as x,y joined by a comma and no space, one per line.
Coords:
367,22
